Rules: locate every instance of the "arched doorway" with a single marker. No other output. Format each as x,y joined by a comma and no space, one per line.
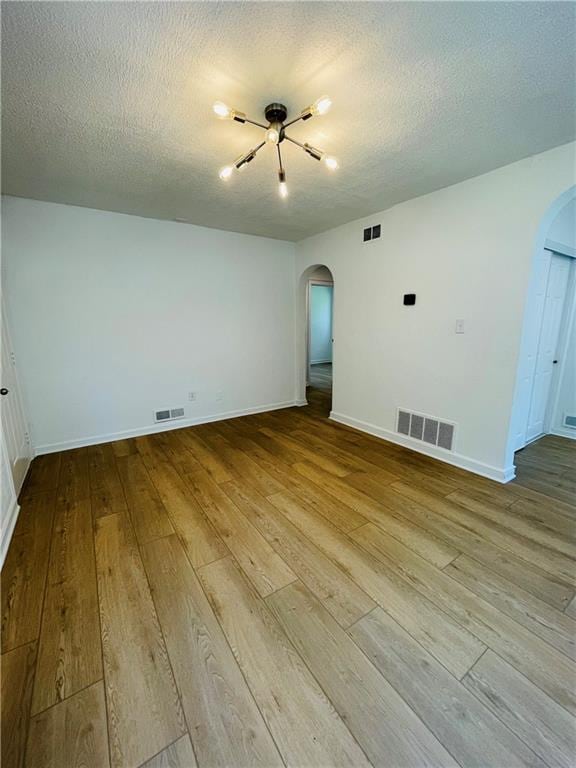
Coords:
316,338
547,360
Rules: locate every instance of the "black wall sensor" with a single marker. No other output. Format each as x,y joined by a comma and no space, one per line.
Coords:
409,299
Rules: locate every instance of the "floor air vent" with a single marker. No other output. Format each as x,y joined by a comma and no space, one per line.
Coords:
168,414
426,429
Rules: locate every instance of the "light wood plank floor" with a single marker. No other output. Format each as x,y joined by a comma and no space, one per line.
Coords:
281,590
321,376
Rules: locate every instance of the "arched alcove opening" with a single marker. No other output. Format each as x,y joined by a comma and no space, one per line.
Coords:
316,364
547,354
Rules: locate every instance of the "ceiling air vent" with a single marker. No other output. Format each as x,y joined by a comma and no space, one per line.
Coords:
168,414
426,429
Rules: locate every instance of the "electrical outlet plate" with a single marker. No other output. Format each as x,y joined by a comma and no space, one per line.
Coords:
191,396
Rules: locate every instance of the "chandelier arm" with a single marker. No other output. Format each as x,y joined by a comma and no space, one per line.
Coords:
253,122
281,169
295,120
299,144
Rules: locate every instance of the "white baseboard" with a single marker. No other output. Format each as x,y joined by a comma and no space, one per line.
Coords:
457,460
151,429
300,403
8,530
570,435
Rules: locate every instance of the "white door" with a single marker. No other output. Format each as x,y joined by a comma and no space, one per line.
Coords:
15,455
546,360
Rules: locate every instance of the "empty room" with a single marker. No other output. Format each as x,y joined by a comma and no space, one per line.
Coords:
288,384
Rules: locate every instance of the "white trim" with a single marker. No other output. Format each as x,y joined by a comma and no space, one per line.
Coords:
152,429
8,530
567,433
300,403
449,457
563,250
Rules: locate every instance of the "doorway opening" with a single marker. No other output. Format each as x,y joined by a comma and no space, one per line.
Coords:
318,285
545,402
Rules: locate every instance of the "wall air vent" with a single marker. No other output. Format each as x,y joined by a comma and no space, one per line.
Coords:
570,421
168,414
426,429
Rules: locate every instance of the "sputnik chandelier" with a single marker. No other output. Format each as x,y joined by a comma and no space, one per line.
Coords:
276,115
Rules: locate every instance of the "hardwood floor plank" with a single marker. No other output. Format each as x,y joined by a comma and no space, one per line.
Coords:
542,664
42,476
545,726
546,559
333,509
72,734
550,624
356,500
103,503
143,706
262,565
244,468
545,586
225,723
196,532
208,458
134,475
571,608
304,724
335,590
381,721
149,516
24,572
447,640
430,547
69,651
74,478
17,680
544,517
472,734
538,534
315,457
177,755
103,472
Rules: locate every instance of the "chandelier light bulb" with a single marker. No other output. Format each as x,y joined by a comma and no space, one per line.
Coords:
283,189
226,172
322,105
272,136
221,110
331,162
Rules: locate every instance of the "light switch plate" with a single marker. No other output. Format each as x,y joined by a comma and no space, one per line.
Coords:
459,326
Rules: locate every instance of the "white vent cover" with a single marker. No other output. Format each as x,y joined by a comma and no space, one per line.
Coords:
427,429
570,421
168,414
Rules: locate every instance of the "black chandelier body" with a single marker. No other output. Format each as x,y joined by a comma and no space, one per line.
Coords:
276,115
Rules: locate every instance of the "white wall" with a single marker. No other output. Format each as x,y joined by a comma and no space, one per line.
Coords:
466,251
320,323
116,316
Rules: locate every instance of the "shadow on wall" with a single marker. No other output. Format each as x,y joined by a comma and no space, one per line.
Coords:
545,394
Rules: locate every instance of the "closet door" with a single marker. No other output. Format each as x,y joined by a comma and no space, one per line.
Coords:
15,454
548,344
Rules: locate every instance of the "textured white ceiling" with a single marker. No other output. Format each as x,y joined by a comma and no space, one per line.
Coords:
108,105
